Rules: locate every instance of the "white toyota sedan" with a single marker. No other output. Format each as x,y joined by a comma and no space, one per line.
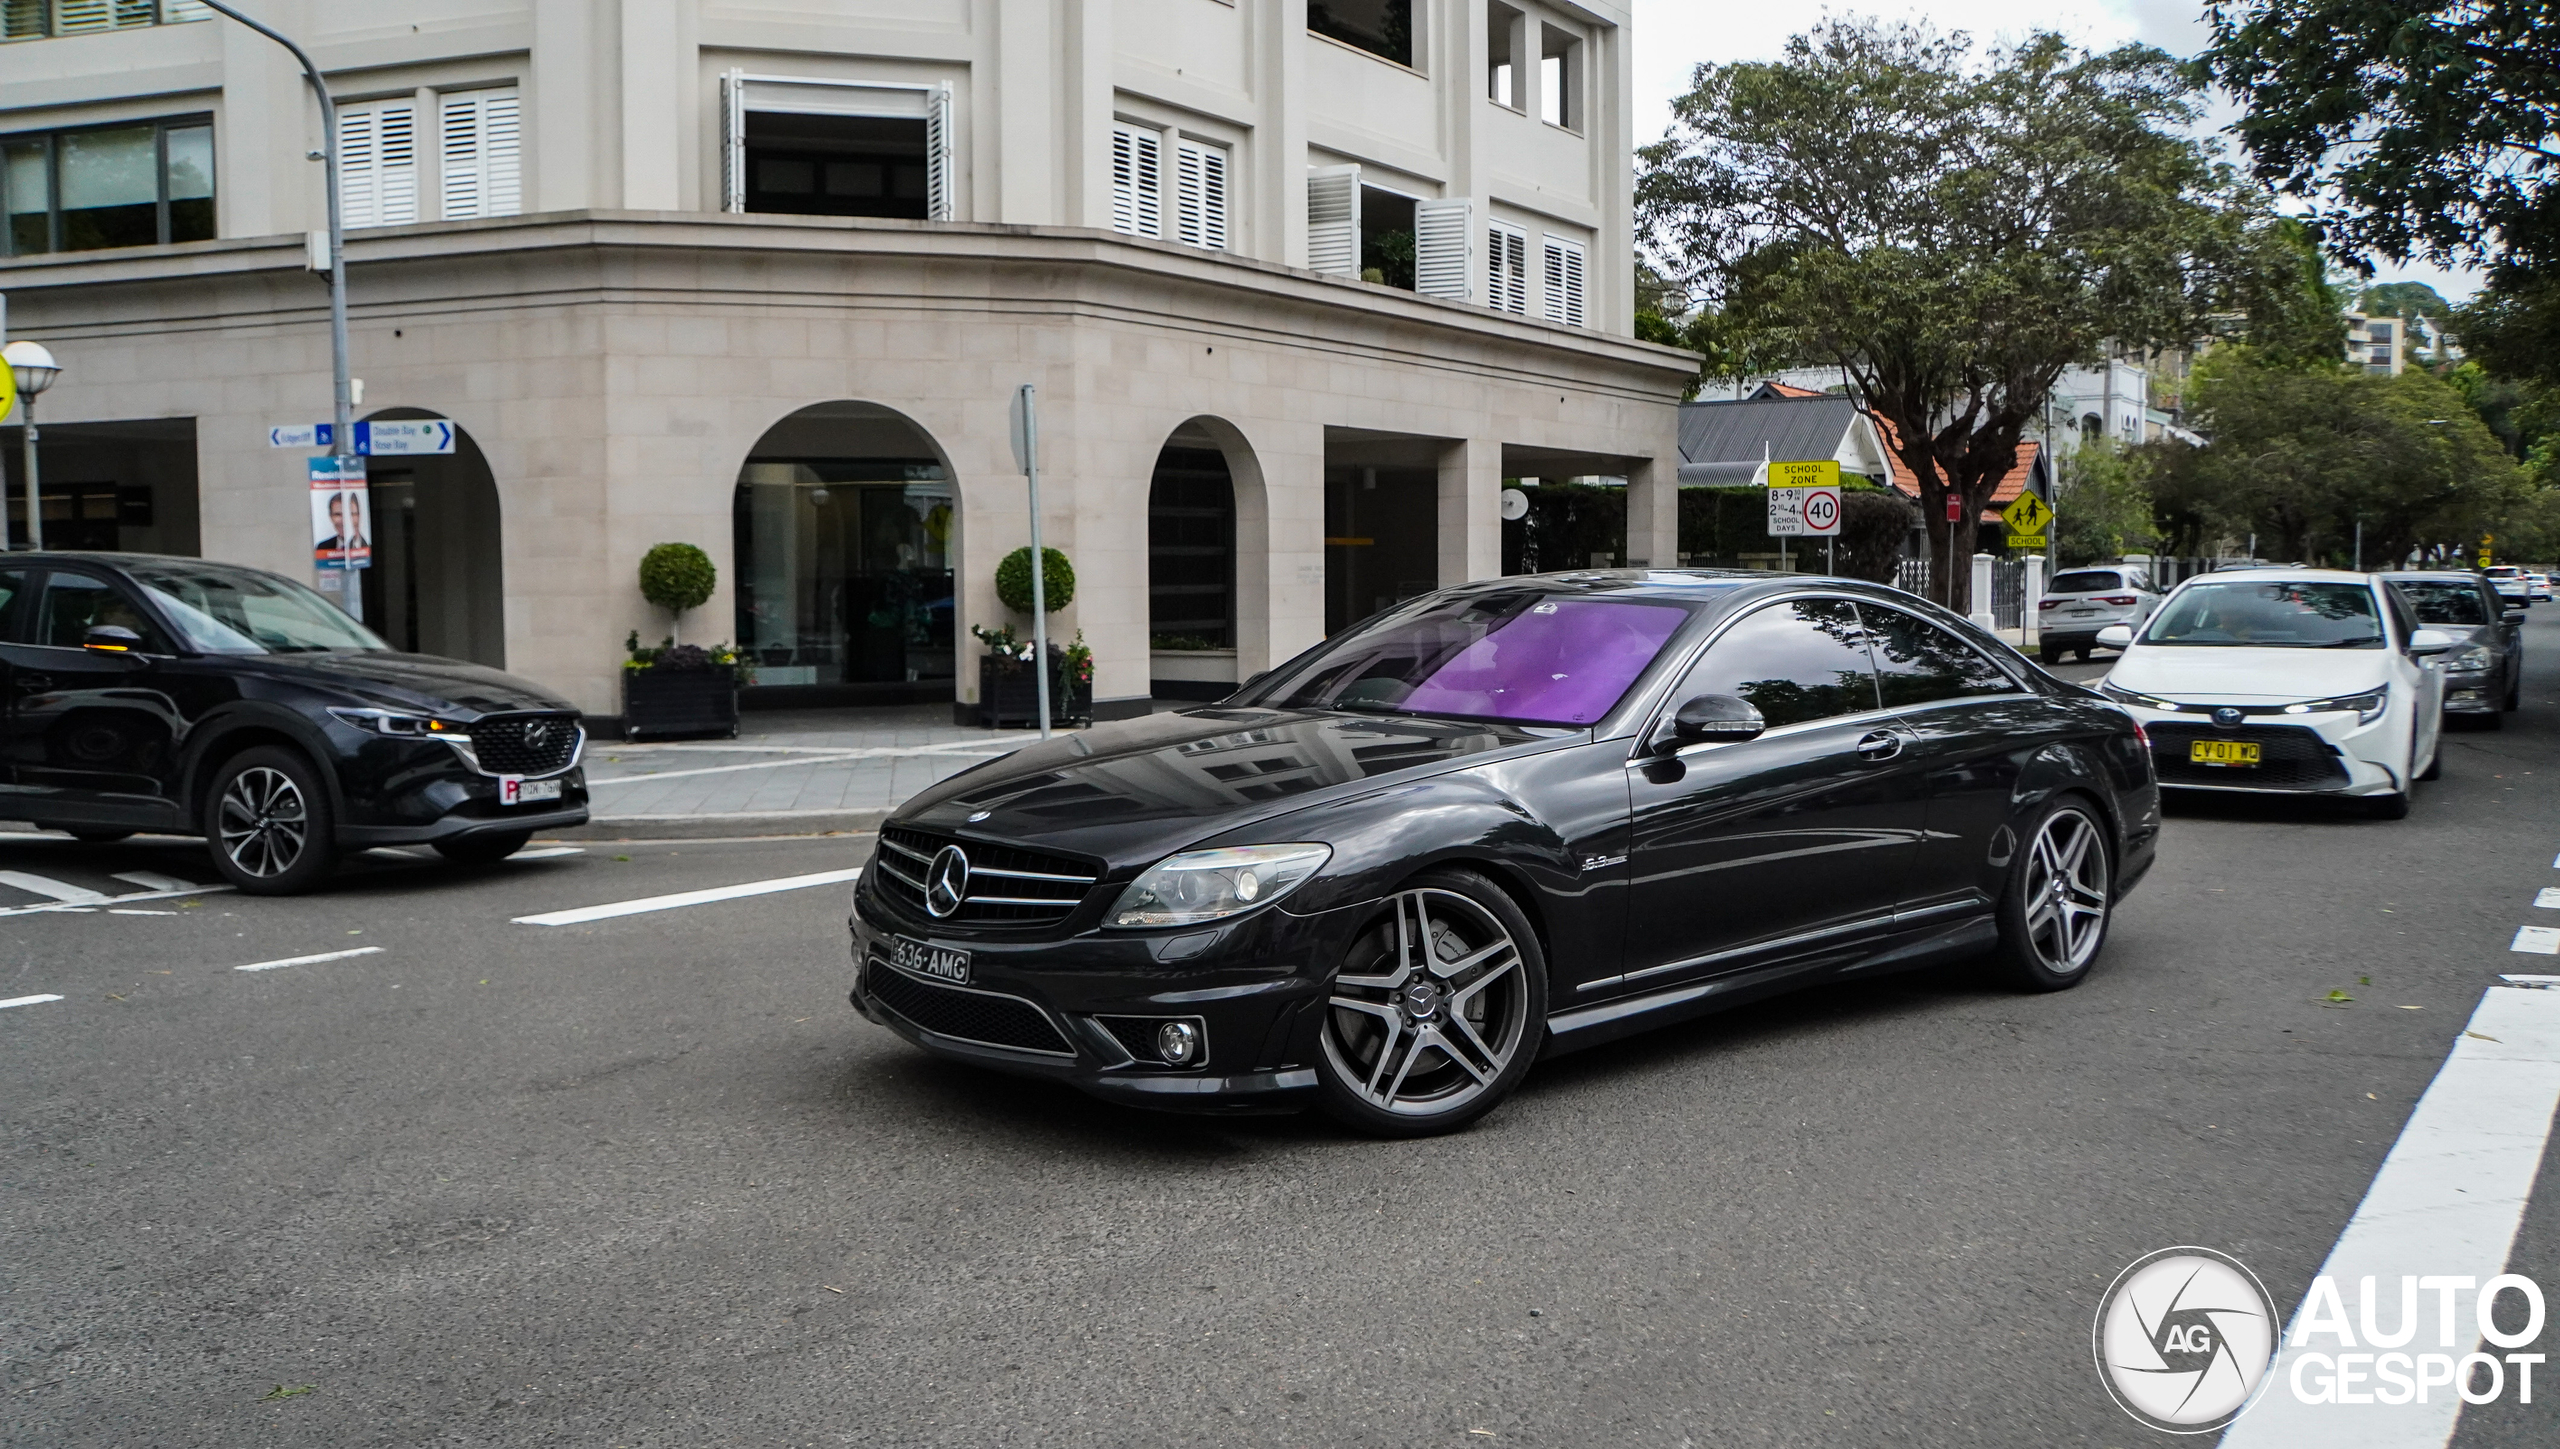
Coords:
2298,681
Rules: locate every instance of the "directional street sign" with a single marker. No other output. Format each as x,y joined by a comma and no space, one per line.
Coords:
1804,498
2027,518
381,438
301,435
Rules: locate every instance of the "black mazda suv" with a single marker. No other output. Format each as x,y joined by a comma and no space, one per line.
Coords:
176,695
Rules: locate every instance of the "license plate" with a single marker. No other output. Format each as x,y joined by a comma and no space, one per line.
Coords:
942,963
517,790
2222,752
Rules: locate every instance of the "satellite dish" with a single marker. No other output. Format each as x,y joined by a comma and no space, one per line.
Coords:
1515,504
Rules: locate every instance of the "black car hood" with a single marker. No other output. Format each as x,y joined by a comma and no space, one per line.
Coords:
1139,787
413,681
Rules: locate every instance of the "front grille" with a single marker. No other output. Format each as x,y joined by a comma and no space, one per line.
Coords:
2290,757
1008,886
979,1016
526,744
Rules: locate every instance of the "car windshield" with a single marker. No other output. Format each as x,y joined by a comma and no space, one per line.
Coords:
2288,614
2086,581
1526,656
237,611
2443,601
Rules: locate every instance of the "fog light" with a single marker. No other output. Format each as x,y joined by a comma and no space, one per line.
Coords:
1177,1042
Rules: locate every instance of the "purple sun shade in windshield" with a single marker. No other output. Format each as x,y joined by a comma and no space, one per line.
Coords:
1566,660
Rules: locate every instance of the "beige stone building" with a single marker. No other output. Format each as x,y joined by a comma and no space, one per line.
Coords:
1298,282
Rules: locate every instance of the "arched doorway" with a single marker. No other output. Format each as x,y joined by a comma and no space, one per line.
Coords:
1192,628
846,535
438,582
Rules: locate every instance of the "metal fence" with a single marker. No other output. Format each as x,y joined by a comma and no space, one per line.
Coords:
2008,591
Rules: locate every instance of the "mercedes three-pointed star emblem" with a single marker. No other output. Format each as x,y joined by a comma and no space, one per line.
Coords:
946,881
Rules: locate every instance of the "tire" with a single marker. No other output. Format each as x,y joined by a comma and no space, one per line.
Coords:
2515,691
99,837
268,823
2049,655
483,849
2059,901
1397,1061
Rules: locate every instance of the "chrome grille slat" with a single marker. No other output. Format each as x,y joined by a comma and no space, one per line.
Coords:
1077,880
1038,888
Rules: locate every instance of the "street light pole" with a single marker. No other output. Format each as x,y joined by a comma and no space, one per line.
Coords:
32,368
342,438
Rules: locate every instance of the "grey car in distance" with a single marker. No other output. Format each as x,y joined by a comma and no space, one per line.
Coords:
2080,602
2484,675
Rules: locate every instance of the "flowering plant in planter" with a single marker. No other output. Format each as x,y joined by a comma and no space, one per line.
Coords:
681,689
1007,690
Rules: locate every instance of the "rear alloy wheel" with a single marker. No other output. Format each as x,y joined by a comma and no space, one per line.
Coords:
484,849
1439,1008
2053,917
269,823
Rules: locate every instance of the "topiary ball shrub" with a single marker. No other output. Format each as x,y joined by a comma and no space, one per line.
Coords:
677,576
1057,580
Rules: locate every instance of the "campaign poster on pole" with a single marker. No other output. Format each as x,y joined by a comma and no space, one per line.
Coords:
341,514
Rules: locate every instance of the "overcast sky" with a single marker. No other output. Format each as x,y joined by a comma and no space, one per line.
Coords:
1673,36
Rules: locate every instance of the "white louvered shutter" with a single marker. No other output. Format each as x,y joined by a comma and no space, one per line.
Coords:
1137,181
378,163
1441,232
483,155
733,140
1200,195
1333,220
937,154
178,12
1564,279
1507,269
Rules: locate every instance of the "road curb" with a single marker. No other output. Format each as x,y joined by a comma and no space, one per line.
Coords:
695,827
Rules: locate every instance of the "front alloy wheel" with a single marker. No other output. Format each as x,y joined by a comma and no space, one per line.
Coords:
270,826
2061,887
1438,1010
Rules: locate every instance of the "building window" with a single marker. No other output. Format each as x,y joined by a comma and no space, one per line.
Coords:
479,150
1384,28
1507,269
34,19
111,186
1200,194
1566,262
378,163
1137,181
1560,78
802,147
1197,213
1386,237
1503,29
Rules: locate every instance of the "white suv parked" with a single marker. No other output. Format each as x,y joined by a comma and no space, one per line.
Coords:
2080,602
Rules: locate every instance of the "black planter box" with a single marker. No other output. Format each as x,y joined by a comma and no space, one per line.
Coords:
679,702
1008,697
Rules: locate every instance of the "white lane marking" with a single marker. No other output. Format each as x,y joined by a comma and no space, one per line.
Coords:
310,960
131,896
2532,983
958,748
39,885
26,1001
2538,940
140,913
152,880
549,852
2548,898
688,898
2448,1200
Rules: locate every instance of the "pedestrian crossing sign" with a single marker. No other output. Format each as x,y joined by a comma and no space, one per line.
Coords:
2027,519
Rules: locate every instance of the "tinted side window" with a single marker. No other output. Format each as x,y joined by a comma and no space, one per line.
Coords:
74,603
1796,661
13,603
1919,663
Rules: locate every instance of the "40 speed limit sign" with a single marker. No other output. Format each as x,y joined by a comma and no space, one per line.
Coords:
1804,499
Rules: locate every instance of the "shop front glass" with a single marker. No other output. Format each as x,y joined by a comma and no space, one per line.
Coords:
844,570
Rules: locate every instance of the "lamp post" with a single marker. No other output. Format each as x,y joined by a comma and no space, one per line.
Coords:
31,364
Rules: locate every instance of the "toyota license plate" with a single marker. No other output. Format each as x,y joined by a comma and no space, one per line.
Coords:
517,790
2222,752
942,963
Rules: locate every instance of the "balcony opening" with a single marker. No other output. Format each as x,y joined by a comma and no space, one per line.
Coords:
1386,237
1384,28
820,165
1560,78
1503,27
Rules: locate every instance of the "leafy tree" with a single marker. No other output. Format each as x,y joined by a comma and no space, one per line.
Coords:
2102,503
1952,232
677,577
1873,524
2407,301
1013,580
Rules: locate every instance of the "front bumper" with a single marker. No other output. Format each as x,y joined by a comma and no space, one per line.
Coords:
2473,691
2322,754
1047,1008
420,791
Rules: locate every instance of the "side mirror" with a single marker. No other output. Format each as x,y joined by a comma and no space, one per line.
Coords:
2116,636
2431,641
2512,616
1716,719
112,639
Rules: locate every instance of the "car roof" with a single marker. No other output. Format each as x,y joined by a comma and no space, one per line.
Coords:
2278,573
2433,576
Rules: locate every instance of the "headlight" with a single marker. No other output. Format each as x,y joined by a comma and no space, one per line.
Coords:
2475,657
2120,695
1210,885
2367,707
400,724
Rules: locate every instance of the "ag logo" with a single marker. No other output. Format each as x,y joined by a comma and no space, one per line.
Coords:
2184,1339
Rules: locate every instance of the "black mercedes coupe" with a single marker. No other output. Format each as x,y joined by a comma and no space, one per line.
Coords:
1498,822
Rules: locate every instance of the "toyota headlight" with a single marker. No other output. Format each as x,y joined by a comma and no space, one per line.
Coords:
2367,707
2121,695
1210,885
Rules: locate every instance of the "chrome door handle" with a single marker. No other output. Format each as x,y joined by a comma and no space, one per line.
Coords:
1882,745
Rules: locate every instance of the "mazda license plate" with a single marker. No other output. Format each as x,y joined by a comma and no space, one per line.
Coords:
517,790
2222,752
942,963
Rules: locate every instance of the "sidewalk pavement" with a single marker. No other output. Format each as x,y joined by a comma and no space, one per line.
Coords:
789,772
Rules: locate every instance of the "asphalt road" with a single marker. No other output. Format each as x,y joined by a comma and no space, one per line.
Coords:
649,1181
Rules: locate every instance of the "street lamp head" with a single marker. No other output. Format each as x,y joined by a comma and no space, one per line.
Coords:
33,364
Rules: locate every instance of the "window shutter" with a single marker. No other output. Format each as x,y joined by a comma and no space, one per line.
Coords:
1200,195
1440,247
178,12
937,154
733,140
1333,220
1564,282
378,163
1507,269
483,164
1137,181
76,17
